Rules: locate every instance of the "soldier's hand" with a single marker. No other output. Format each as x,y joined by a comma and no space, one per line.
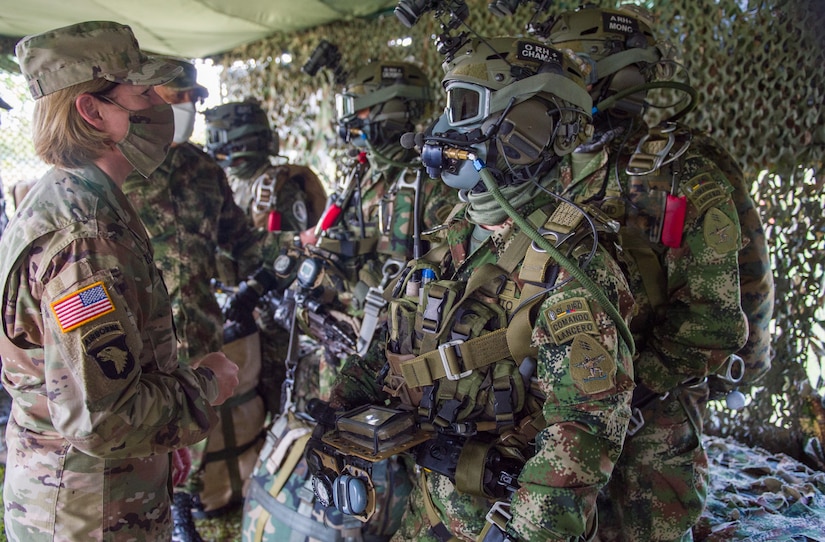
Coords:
181,464
308,237
226,371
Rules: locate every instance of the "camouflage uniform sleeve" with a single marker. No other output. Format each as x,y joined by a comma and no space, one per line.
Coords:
115,387
585,370
702,321
755,271
357,381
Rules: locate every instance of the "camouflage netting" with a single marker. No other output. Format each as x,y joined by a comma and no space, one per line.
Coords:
760,75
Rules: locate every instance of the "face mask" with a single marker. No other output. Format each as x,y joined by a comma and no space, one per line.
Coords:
184,121
150,133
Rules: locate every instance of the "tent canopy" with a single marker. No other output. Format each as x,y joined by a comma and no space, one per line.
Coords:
187,28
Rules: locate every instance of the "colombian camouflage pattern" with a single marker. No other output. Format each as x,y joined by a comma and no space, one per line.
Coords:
581,395
187,208
689,321
383,205
82,52
100,399
189,212
755,269
381,195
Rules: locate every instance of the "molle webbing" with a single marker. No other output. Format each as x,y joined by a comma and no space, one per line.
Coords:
349,248
457,356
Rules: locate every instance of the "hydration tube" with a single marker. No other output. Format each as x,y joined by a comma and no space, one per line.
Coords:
569,265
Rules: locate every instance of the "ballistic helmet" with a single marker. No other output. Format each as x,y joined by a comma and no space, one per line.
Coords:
390,97
239,130
519,103
616,50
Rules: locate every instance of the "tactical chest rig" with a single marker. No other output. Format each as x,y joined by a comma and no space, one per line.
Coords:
460,363
366,252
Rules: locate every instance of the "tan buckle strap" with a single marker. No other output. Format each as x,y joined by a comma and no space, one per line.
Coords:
456,359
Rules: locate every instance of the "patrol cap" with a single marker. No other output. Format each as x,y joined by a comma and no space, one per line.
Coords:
83,52
187,80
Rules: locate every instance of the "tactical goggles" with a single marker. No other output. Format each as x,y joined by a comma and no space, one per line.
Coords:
467,103
347,104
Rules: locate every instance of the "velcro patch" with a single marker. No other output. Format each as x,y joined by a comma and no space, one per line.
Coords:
526,50
82,306
569,318
622,24
704,193
720,232
592,367
106,343
391,73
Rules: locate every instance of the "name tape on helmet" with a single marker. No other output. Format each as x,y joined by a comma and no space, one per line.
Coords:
537,52
615,22
392,73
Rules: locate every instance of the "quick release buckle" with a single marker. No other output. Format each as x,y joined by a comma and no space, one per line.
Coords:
448,361
499,514
637,421
265,197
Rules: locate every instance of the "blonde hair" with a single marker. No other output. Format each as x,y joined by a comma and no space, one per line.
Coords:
62,137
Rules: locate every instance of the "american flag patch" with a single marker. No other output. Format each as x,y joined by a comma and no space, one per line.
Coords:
82,306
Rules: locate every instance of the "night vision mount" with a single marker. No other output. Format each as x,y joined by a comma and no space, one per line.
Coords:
536,26
450,14
326,55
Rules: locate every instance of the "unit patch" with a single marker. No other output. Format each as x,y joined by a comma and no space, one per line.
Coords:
720,231
106,343
82,306
591,366
569,318
703,192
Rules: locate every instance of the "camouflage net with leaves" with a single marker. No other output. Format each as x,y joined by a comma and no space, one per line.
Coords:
760,75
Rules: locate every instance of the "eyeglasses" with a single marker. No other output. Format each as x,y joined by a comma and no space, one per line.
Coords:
466,103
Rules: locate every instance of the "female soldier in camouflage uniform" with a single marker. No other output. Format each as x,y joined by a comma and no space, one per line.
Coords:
88,344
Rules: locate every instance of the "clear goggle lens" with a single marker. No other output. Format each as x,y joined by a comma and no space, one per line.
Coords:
344,106
467,103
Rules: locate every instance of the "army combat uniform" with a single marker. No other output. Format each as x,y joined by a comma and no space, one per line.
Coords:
683,271
89,355
518,365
